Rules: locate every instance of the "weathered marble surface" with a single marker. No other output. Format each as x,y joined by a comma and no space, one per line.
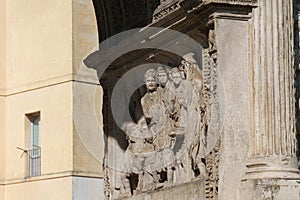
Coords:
167,145
191,191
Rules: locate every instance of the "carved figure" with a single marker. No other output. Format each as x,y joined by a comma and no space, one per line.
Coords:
151,101
154,114
161,100
171,105
193,75
183,91
139,142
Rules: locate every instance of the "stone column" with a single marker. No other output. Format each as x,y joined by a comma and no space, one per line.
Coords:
273,139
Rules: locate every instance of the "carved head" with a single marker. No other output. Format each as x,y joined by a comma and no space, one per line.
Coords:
150,79
176,76
162,75
189,58
183,70
188,65
187,61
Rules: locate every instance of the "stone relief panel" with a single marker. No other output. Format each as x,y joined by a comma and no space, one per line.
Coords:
167,145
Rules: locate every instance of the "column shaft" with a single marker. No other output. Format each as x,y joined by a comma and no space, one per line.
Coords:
273,135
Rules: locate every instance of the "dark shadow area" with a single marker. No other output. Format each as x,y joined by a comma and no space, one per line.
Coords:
135,107
115,16
163,176
134,179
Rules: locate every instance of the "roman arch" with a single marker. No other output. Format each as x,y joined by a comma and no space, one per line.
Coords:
245,53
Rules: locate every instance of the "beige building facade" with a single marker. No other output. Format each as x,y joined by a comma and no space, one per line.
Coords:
43,44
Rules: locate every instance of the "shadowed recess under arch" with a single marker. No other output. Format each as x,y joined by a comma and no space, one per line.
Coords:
115,16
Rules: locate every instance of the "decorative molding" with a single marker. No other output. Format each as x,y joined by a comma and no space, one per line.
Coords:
165,9
50,176
212,167
189,6
235,2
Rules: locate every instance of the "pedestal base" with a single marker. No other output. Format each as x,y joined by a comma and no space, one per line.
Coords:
189,191
273,167
267,189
